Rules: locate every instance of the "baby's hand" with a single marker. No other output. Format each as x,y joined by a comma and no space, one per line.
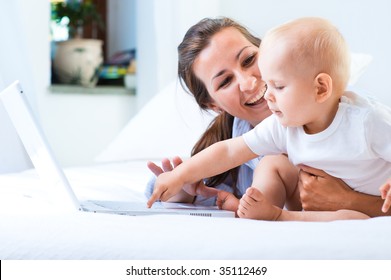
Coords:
166,186
385,191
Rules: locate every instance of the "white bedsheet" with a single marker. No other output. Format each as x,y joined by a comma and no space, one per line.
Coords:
32,227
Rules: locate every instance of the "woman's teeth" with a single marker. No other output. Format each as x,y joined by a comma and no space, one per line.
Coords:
255,100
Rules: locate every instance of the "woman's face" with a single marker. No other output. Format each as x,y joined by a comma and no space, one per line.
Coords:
229,70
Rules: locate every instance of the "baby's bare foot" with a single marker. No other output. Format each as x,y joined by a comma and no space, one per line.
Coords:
227,201
253,205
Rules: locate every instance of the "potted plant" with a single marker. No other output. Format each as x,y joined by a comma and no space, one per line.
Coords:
79,13
78,60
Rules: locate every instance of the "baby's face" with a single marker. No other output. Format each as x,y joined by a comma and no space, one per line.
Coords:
290,90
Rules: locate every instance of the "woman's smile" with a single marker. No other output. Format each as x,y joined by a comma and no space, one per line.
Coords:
255,100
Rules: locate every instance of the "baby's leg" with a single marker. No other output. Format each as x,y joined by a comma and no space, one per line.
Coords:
276,179
254,205
321,215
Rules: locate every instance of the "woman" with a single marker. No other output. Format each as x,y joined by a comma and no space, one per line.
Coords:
218,64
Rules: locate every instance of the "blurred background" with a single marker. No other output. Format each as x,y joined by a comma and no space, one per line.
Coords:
139,40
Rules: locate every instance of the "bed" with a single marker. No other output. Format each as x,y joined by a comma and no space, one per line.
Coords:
33,226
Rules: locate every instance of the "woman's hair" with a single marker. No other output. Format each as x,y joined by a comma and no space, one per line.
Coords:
196,39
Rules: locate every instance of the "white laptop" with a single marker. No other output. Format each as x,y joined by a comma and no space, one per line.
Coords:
50,171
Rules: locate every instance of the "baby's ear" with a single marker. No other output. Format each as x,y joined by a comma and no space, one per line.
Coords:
324,87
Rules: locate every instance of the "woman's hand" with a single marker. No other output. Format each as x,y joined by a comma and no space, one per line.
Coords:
189,190
322,192
385,191
167,165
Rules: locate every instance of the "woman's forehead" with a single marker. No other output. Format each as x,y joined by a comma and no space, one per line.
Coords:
227,37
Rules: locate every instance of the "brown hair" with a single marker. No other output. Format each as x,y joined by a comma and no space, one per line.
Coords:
196,39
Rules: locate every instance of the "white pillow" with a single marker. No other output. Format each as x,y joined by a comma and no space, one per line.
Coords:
167,126
171,123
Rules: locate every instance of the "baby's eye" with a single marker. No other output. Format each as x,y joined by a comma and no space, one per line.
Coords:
279,87
264,88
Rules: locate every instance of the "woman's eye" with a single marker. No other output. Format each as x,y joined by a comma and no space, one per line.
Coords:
279,87
224,82
249,60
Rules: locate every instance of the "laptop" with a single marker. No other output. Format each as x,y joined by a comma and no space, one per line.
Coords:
47,167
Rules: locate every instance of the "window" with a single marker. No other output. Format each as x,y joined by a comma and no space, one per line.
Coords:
118,37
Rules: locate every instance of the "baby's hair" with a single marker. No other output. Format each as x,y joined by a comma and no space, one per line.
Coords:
315,45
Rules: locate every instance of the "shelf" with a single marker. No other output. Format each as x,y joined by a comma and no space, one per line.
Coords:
74,89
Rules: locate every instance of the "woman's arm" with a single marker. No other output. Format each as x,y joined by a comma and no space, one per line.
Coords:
322,192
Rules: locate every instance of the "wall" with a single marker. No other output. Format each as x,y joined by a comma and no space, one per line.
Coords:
121,26
24,56
80,125
365,25
162,24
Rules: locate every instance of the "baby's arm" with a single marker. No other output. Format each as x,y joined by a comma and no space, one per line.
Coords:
214,160
385,191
